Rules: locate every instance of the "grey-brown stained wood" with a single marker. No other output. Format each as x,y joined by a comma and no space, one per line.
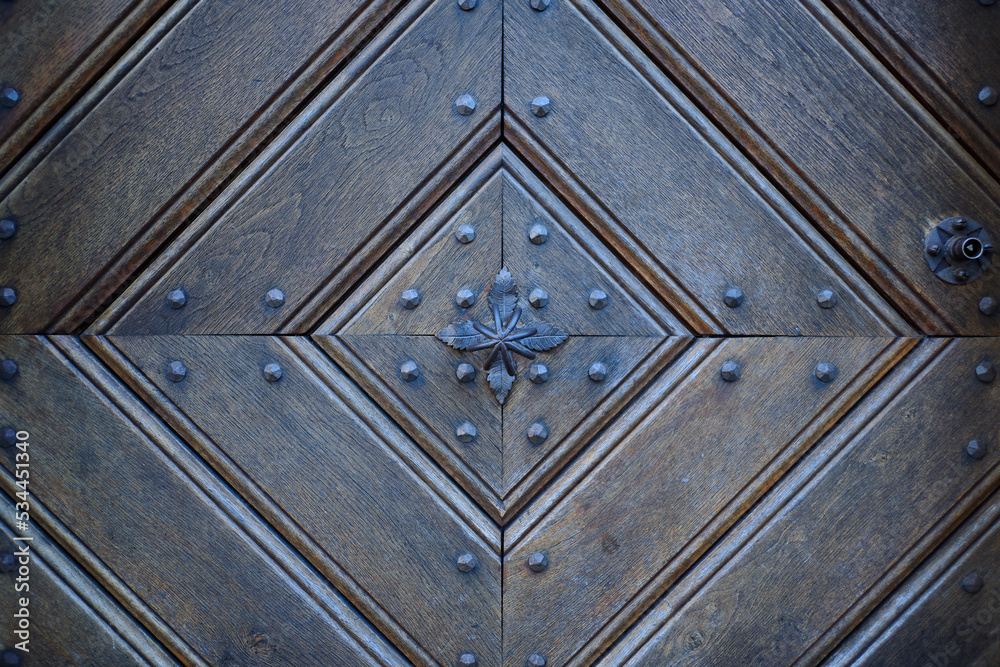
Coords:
867,163
319,462
683,465
337,185
673,185
901,482
147,520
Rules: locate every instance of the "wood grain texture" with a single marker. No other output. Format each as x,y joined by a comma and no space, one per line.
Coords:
819,113
156,528
296,227
668,479
898,486
673,183
333,476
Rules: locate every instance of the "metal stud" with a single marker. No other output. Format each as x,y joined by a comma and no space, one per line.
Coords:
409,299
962,275
934,250
972,583
988,96
467,563
8,563
538,298
8,227
8,296
987,305
731,371
10,658
9,97
826,299
176,299
987,3
597,371
465,105
409,371
8,369
465,234
8,437
985,372
466,432
273,372
538,234
274,298
465,372
467,660
538,373
538,561
975,449
825,371
537,433
464,298
541,105
176,371
734,297
958,224
598,299
467,5
536,660
539,5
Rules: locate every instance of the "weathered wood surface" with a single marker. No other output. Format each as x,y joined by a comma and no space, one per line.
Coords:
672,184
899,481
318,461
696,460
817,111
160,523
296,226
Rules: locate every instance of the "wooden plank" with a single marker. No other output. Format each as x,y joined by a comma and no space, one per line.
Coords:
295,227
886,498
674,185
821,115
368,509
150,149
163,523
703,455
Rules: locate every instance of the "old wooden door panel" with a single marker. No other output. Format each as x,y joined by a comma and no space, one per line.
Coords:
111,190
890,494
338,185
863,158
313,456
152,517
690,460
675,184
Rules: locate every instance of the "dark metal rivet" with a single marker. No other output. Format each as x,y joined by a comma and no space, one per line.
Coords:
465,105
934,250
273,372
988,96
465,234
8,228
961,275
541,105
8,296
597,371
538,234
975,449
8,437
466,432
733,298
535,660
409,299
465,372
274,298
409,371
959,224
465,298
467,660
176,371
731,371
467,5
972,582
598,299
538,562
10,657
985,372
537,433
825,372
176,299
8,369
538,373
467,562
987,305
9,97
826,299
538,298
8,563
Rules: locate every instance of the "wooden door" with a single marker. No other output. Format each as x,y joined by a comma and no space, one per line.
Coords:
537,332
